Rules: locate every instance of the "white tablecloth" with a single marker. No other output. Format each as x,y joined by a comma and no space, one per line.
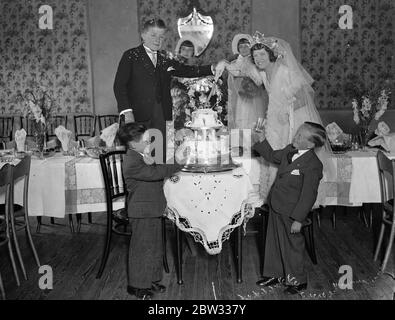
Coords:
62,185
211,205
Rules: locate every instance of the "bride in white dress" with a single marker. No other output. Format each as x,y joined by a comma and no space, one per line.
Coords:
291,98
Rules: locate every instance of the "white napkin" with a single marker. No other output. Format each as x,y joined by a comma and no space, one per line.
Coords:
384,138
333,131
109,133
64,136
20,138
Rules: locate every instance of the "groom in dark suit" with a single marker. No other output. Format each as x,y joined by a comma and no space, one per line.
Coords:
142,81
290,200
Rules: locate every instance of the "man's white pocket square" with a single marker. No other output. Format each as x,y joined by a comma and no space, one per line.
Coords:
170,69
295,172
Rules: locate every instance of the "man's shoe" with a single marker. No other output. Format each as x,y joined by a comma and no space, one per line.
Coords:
157,287
295,289
141,294
269,281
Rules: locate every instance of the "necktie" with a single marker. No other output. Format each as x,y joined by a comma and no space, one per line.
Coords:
153,55
290,154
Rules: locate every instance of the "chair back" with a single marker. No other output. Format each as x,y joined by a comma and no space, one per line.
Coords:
111,166
55,122
28,125
84,126
107,120
22,170
386,168
6,180
6,128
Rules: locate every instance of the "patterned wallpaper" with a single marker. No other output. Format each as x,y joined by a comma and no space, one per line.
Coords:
229,16
57,58
336,57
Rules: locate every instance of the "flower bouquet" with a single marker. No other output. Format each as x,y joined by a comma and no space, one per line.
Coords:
38,107
368,105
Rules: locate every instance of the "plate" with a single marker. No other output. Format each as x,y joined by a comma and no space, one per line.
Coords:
94,152
206,169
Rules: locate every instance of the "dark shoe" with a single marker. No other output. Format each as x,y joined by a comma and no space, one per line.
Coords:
157,287
141,294
269,281
295,289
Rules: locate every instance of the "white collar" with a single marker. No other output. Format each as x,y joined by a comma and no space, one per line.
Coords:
149,51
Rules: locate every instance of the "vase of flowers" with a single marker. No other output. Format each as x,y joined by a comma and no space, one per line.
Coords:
38,107
367,107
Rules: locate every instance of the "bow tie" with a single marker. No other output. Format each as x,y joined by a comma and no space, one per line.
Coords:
291,153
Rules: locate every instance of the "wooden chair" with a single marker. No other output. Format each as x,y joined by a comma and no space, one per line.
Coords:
20,213
6,130
307,231
115,189
55,122
107,120
6,180
386,169
28,125
84,126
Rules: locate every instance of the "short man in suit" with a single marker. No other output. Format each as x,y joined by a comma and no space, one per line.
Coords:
290,200
146,205
142,81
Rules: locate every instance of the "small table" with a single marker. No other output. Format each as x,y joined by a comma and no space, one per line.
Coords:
210,206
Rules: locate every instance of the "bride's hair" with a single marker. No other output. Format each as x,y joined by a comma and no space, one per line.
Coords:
260,46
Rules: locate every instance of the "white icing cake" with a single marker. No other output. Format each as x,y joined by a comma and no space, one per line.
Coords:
204,118
212,150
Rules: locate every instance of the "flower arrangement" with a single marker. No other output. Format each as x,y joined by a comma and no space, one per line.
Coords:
38,105
370,106
190,94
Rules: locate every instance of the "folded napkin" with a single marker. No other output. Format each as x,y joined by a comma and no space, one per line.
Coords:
333,131
108,134
20,139
64,136
384,138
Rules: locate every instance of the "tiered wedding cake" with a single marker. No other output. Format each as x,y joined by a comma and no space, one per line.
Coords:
206,148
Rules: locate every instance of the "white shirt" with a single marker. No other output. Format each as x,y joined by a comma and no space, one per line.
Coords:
299,154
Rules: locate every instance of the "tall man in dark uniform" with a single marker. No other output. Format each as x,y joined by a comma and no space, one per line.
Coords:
142,81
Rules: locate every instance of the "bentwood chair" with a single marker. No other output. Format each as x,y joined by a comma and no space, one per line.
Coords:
6,180
28,125
107,120
55,122
387,184
19,217
111,166
84,126
6,130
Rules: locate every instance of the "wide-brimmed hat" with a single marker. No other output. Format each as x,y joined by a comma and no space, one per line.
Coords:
236,40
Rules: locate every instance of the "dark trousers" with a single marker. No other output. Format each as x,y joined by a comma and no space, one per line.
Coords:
284,252
145,252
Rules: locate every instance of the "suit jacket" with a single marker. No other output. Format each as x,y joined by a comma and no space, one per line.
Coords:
292,195
138,84
145,185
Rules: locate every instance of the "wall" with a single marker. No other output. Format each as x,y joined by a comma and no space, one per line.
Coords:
278,18
56,58
114,28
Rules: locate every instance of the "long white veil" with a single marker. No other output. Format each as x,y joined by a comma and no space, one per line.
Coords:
301,79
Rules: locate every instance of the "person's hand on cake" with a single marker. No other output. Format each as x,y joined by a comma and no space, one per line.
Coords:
182,154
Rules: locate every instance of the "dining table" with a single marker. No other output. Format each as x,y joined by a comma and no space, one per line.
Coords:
61,185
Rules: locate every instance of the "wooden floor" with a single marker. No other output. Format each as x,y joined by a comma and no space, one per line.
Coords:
74,259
